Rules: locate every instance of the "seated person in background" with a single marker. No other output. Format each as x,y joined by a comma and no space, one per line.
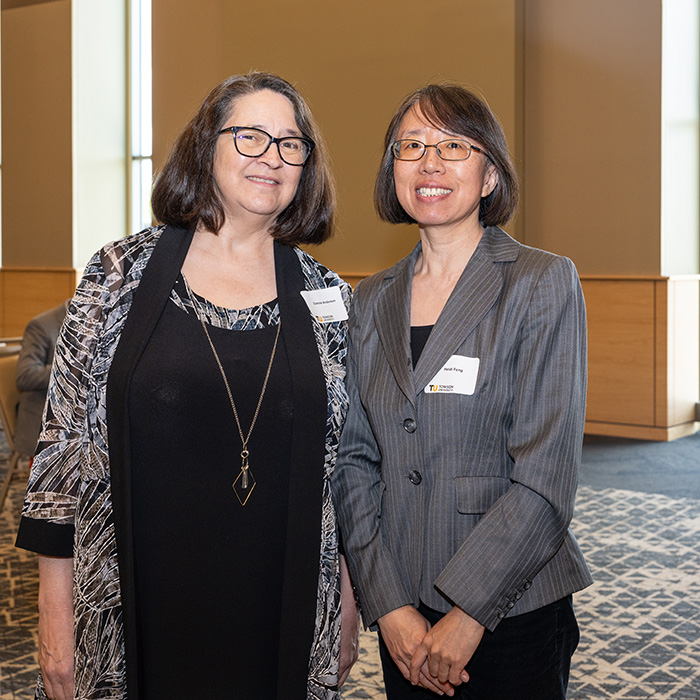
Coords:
33,370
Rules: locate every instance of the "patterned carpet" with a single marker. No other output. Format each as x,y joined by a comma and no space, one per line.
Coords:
19,583
640,621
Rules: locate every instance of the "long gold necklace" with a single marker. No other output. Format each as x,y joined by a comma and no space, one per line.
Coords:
245,481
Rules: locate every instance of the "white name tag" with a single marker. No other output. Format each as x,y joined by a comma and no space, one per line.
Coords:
326,304
458,376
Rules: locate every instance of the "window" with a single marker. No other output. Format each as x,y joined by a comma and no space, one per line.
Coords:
680,101
141,115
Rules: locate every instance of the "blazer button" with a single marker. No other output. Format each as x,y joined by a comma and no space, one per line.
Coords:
415,477
409,425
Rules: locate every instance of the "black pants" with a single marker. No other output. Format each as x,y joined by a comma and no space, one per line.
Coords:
527,657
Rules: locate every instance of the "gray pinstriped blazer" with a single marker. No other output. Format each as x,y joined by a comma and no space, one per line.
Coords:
487,527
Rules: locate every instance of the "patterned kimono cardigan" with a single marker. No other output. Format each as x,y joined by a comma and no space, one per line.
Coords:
71,505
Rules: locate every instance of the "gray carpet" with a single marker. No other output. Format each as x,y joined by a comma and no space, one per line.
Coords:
667,468
638,522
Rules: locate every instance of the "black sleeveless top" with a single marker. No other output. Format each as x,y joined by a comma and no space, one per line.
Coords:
419,337
209,570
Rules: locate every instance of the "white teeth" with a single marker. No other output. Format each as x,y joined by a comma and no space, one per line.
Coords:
262,179
432,191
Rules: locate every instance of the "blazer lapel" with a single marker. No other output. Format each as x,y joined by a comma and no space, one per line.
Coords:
392,317
476,291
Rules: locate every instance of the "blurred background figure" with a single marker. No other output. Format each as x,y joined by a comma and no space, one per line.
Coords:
33,370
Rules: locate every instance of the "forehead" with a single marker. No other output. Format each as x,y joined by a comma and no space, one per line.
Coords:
415,123
263,108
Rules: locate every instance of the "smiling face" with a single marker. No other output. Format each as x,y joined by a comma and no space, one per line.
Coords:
257,190
436,193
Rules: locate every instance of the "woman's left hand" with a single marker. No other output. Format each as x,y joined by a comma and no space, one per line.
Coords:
349,624
447,648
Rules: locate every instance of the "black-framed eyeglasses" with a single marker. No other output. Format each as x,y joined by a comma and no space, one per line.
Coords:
252,143
449,149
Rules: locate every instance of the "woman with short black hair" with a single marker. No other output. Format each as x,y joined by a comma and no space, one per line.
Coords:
458,462
458,111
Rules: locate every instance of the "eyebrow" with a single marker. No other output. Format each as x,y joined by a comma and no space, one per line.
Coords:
286,132
449,134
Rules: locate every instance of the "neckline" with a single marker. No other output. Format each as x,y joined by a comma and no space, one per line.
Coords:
205,303
252,318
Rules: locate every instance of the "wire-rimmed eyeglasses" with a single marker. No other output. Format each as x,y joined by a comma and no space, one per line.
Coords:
449,149
252,143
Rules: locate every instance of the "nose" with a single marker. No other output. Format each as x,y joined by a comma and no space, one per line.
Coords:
272,155
431,161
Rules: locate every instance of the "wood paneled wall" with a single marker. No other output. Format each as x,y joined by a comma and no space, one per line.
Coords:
26,292
642,356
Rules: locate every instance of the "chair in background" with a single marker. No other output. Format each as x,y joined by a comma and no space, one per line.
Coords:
9,398
10,346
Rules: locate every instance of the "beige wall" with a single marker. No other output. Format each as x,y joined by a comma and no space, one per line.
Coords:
36,135
354,62
592,123
64,147
577,85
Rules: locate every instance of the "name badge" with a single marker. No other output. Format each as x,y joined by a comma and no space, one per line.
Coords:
458,376
326,305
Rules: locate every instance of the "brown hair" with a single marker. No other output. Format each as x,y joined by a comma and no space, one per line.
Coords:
458,111
186,194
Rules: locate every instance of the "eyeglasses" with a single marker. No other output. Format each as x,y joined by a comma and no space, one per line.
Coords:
449,149
252,143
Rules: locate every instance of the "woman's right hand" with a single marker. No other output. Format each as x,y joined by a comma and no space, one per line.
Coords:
403,630
56,637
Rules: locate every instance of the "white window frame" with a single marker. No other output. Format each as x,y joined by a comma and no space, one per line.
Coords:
141,114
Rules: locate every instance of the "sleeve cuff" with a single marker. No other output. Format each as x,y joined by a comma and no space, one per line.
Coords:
46,538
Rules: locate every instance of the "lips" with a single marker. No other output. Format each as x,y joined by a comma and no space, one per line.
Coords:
264,180
432,191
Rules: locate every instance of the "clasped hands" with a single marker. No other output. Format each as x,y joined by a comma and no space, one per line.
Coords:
432,657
